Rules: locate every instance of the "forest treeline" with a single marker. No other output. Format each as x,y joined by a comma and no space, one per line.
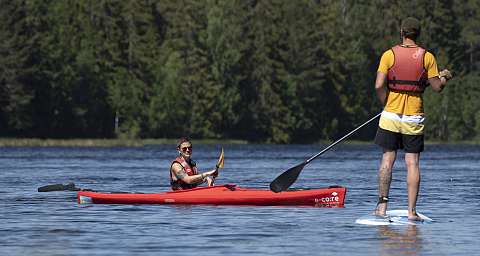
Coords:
259,70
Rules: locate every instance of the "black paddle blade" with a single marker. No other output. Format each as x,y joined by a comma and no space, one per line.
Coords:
58,187
287,178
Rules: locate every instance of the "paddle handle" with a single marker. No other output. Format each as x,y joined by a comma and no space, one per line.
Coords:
342,138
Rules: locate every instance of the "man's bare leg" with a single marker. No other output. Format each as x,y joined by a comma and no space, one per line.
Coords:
413,183
384,180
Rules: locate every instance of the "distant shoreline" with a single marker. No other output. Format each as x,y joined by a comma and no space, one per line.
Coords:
32,142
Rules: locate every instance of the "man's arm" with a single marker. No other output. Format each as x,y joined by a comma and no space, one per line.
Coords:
182,175
438,83
380,87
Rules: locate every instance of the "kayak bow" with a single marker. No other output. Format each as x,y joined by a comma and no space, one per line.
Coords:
228,194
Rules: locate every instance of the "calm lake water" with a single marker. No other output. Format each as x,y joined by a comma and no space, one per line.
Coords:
53,223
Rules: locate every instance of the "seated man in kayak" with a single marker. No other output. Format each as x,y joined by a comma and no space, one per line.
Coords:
183,171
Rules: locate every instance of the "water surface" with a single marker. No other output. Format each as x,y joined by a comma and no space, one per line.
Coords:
54,224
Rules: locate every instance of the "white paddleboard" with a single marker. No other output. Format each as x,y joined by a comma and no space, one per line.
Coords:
394,217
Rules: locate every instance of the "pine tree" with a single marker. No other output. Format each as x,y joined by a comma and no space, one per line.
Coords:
180,71
17,49
130,34
306,91
265,114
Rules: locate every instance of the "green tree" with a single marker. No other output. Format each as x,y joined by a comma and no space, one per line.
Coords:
131,33
270,71
169,106
226,50
17,41
265,114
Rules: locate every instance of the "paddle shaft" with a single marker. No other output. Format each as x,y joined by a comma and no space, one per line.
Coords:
342,139
287,178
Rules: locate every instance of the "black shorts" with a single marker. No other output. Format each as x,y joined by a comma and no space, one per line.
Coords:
394,141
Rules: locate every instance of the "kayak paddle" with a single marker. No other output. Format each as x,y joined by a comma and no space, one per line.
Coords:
71,186
287,178
58,187
61,187
220,162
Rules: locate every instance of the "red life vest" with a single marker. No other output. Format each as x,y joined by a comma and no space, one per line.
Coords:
189,170
408,72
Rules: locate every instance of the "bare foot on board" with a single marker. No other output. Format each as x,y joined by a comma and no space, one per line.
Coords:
381,210
414,218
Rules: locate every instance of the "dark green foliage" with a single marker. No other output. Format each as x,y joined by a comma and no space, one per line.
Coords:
267,71
17,47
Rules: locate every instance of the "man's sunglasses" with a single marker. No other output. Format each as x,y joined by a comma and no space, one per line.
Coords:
185,149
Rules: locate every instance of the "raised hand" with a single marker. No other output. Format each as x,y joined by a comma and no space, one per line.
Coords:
446,73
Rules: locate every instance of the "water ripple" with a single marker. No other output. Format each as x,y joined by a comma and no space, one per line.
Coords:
54,224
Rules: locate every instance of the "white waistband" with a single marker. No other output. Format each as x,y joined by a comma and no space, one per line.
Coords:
418,119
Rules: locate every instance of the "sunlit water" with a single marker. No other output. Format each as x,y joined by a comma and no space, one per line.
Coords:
52,223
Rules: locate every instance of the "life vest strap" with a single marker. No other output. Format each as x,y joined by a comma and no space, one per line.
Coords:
411,82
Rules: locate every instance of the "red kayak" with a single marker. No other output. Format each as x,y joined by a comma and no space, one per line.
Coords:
229,194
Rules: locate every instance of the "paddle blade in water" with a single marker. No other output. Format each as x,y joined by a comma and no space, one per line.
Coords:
58,187
220,162
286,179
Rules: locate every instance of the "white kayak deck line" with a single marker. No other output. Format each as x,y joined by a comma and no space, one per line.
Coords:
394,217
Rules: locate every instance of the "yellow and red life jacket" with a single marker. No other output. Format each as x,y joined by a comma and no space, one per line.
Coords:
408,73
190,170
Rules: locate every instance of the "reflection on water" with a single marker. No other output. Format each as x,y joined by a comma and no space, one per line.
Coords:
400,240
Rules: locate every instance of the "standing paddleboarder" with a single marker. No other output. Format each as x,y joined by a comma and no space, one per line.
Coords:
404,72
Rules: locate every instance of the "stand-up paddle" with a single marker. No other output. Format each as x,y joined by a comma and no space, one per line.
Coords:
287,178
